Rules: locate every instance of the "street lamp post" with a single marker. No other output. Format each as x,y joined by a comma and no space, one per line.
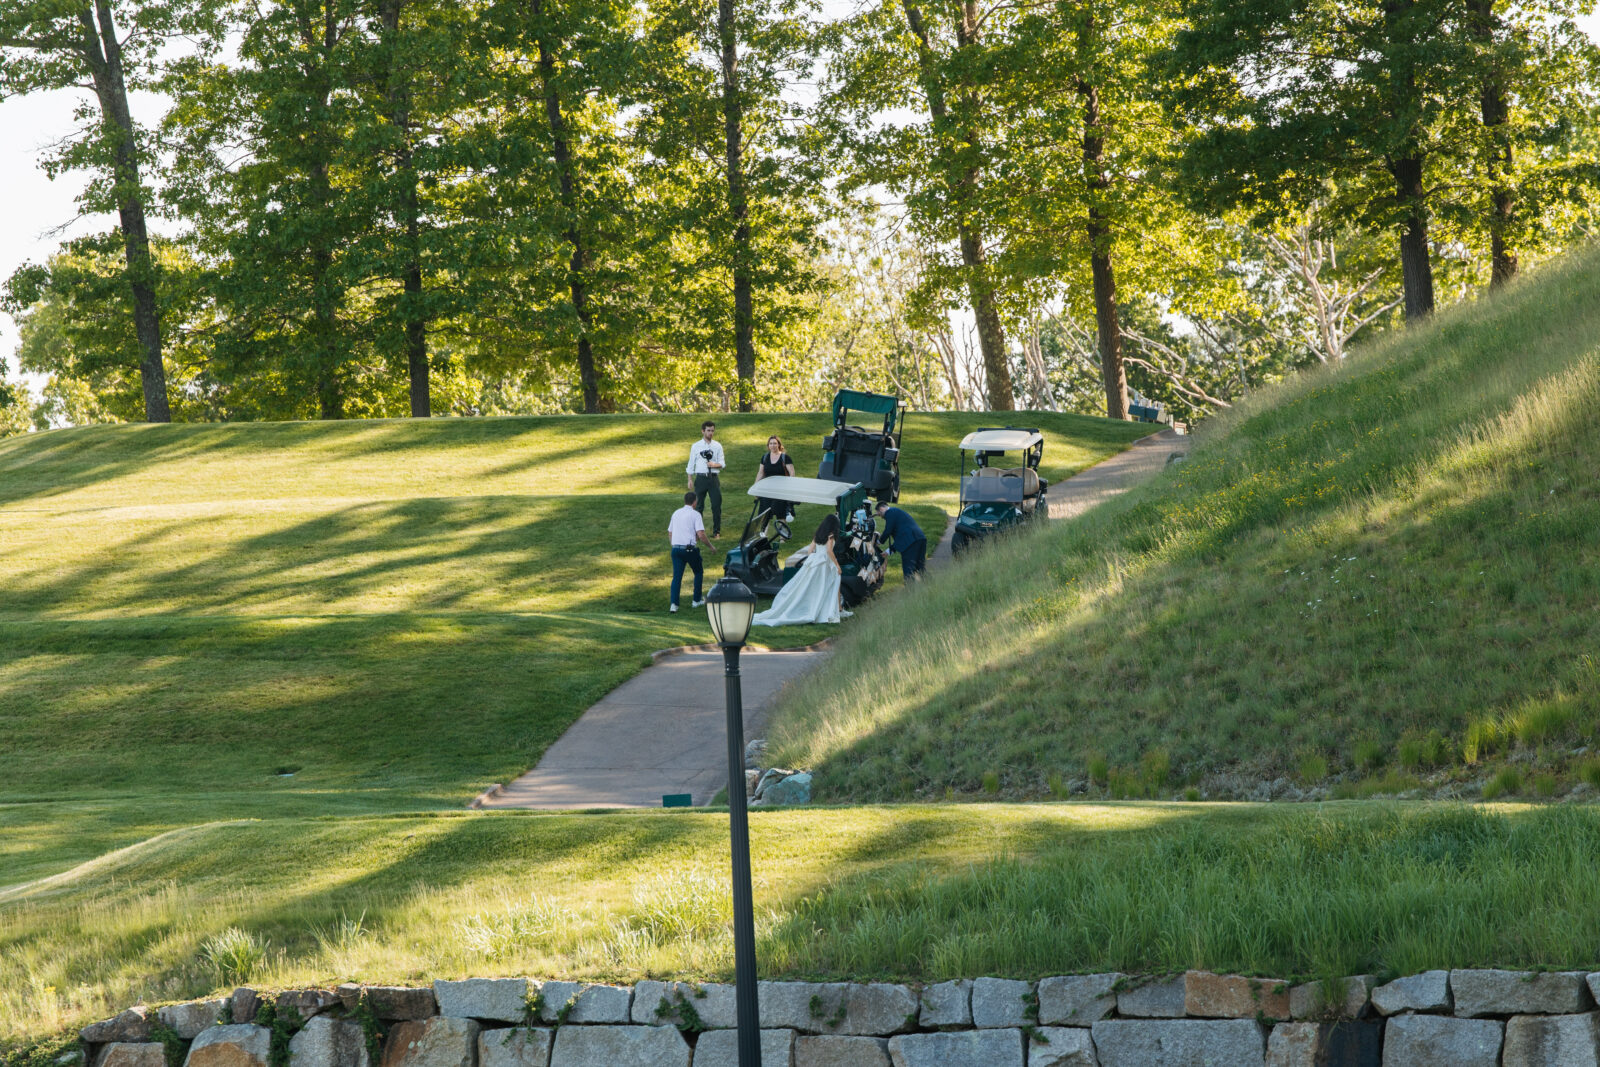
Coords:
731,606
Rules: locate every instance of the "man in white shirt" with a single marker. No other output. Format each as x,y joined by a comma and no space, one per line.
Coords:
687,532
705,464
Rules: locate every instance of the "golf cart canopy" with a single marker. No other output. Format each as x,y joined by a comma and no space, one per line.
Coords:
872,403
1000,440
800,490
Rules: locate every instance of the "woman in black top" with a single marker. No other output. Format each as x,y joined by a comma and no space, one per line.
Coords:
775,462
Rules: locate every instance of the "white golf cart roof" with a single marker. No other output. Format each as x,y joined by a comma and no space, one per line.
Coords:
1000,440
801,490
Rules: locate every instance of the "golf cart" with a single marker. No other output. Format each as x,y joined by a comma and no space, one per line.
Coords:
854,454
995,496
757,561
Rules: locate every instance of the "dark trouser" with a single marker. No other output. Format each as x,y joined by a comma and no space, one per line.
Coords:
707,486
681,558
914,558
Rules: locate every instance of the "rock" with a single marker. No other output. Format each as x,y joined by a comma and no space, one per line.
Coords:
1336,1044
715,1006
393,1003
998,1002
755,752
1440,1041
243,1005
519,1046
619,1046
750,780
878,1008
234,1045
1179,1043
795,789
501,999
961,1048
1480,993
767,778
1318,1000
188,1019
948,1004
1159,999
720,1048
840,1052
1063,1046
329,1042
1076,1000
1231,996
133,1054
1428,991
131,1026
609,1004
1552,1041
442,1041
809,1007
308,1002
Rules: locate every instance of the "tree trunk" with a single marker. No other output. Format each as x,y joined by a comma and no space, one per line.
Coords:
1109,329
416,326
103,52
1416,266
1492,104
326,293
744,346
961,180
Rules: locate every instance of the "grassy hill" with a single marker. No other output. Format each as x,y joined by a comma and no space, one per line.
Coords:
1384,574
203,622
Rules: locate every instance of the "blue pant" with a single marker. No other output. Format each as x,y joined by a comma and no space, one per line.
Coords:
686,557
914,558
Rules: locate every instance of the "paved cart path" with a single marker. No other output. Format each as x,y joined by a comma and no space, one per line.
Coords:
662,731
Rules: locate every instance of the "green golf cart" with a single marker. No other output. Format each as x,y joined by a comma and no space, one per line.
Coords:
757,561
995,495
855,454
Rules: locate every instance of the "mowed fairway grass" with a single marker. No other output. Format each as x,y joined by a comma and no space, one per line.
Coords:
203,622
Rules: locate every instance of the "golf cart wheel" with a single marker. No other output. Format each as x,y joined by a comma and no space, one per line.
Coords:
959,542
894,488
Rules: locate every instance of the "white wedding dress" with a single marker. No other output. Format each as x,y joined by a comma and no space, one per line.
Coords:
812,595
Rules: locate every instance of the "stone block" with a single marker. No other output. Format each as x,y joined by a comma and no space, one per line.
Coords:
715,1006
795,789
234,1045
1294,1045
809,1007
1480,993
188,1019
1345,999
1158,999
243,1005
960,1048
1552,1041
1061,1046
131,1026
1077,1000
1180,1043
329,1042
1441,1041
1346,1043
394,1003
603,1004
841,1052
1232,996
133,1054
877,1008
619,1046
500,999
720,1048
308,1002
1428,991
948,1004
518,1046
442,1041
1002,1002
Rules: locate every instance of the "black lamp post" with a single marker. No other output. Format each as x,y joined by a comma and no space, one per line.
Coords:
731,606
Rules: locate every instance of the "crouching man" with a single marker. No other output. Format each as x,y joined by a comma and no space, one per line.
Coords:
902,534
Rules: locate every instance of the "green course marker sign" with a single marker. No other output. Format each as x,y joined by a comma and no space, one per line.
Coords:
677,800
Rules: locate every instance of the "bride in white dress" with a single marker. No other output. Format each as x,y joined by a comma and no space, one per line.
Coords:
812,595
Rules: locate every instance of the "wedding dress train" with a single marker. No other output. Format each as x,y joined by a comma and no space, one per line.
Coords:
812,595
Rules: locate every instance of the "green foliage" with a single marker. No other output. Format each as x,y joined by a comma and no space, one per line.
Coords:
281,1025
173,1047
1507,781
234,955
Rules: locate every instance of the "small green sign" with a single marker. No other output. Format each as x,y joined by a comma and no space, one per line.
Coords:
677,800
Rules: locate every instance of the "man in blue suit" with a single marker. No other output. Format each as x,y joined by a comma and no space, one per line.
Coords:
904,536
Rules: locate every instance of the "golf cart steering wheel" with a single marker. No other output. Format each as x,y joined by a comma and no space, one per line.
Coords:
782,529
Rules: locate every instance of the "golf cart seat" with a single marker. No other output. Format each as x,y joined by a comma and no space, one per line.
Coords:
1030,485
855,456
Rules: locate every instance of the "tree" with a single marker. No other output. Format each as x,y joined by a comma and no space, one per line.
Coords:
105,47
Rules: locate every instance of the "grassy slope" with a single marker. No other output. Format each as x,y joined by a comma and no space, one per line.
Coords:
401,612
922,893
1387,568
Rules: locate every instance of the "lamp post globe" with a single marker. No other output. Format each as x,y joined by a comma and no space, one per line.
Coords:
730,606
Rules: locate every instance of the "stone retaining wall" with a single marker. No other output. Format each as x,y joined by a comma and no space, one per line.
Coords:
1447,1018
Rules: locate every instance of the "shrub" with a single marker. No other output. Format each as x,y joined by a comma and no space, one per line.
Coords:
1507,781
235,955
1313,767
